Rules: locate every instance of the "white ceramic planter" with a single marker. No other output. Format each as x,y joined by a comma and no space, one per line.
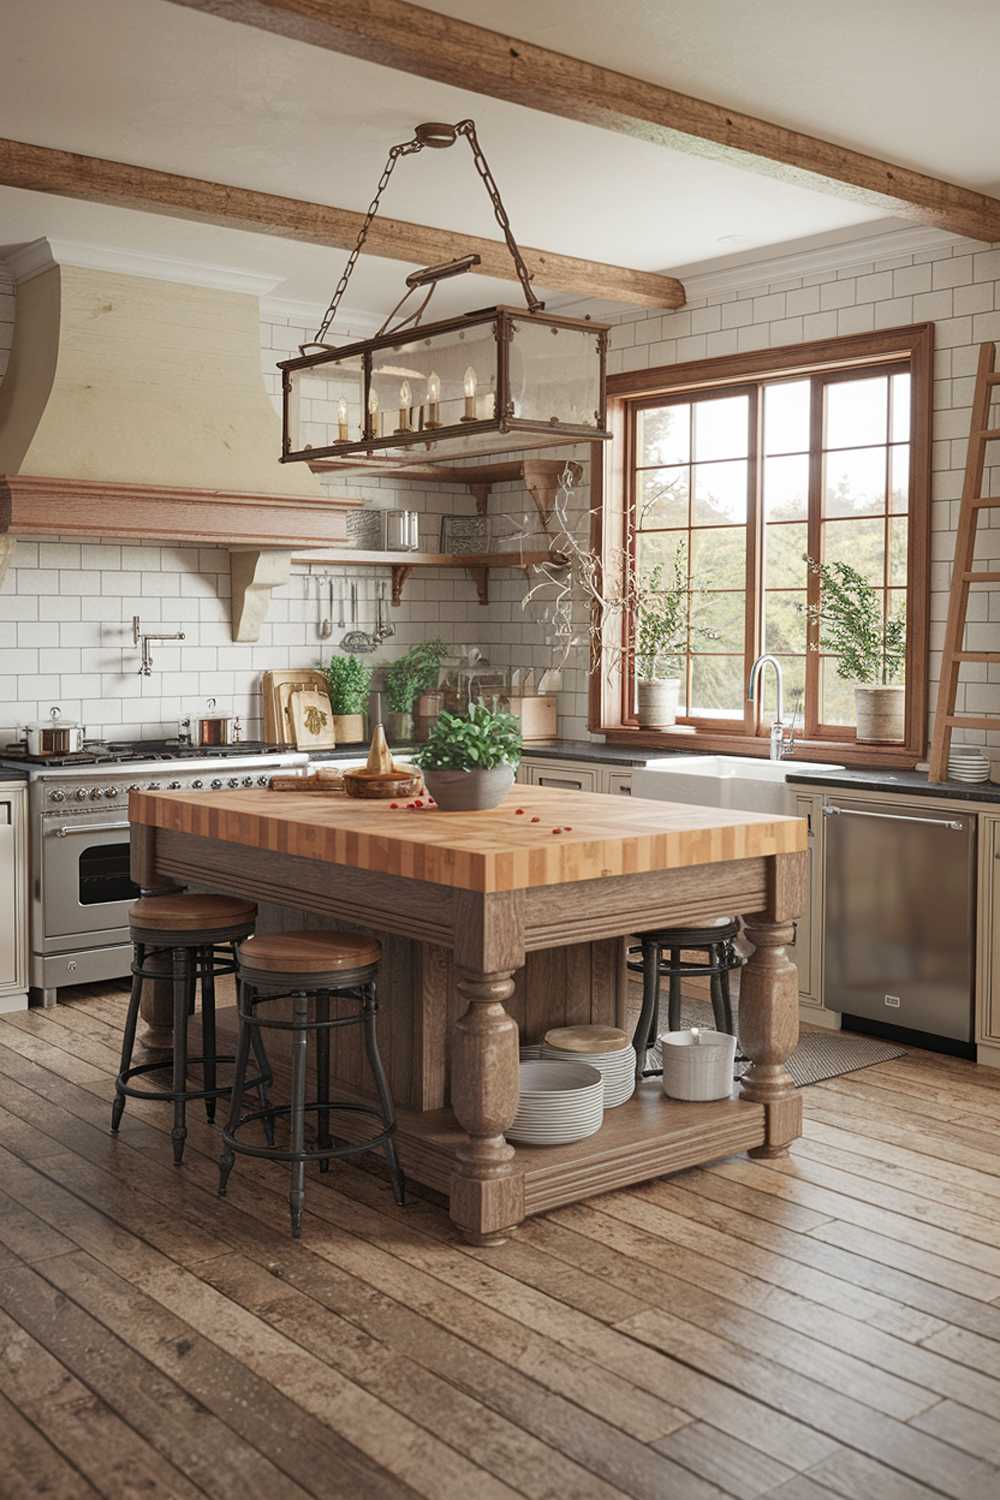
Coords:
879,712
657,702
697,1064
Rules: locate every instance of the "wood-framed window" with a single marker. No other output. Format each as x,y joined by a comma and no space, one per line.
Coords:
742,467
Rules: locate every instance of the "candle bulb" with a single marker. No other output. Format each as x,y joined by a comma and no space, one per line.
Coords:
470,383
433,400
342,420
374,414
404,407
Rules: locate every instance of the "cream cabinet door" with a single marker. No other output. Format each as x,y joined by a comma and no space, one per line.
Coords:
618,783
807,950
564,776
13,878
988,928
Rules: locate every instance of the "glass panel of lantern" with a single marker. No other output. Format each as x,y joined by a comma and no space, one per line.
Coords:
484,384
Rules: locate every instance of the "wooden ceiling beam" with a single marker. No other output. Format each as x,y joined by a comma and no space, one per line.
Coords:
424,42
40,169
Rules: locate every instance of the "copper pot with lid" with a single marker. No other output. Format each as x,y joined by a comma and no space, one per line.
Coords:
54,736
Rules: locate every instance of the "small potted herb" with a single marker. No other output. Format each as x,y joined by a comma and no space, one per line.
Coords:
470,759
663,636
410,675
869,645
350,681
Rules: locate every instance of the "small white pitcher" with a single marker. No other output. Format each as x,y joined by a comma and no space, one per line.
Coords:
697,1064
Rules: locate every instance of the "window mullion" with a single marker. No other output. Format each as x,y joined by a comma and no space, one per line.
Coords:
811,714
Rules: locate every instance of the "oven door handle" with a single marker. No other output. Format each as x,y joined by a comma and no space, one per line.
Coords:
64,833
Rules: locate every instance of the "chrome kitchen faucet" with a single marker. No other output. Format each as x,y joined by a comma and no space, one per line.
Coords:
781,744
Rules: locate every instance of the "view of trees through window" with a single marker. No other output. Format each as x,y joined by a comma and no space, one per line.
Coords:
746,483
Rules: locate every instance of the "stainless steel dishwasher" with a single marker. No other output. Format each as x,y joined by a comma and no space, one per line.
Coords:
899,930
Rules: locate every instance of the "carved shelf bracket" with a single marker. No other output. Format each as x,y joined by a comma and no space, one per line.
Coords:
255,574
399,577
8,546
481,578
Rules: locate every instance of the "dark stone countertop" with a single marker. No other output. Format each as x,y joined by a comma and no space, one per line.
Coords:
912,783
585,750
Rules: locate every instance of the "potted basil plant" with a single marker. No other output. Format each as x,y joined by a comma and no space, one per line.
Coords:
870,648
470,759
408,677
350,681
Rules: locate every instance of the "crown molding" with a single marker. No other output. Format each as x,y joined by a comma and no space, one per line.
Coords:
40,255
358,322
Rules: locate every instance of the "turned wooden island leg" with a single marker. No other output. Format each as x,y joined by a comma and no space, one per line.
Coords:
487,1192
769,1008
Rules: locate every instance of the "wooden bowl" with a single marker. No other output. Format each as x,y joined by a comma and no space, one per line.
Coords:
401,781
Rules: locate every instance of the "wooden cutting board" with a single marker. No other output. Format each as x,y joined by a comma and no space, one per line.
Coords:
311,719
275,688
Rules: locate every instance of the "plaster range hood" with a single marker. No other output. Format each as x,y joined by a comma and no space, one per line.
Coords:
133,406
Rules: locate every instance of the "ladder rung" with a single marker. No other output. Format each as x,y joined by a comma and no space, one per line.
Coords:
985,502
970,721
981,577
993,379
976,656
988,434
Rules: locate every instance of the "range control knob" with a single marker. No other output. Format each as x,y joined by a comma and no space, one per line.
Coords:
197,785
216,783
57,796
173,786
233,781
81,794
263,781
95,793
248,781
134,787
152,786
110,791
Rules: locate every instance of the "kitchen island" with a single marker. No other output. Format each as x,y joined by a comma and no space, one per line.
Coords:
521,909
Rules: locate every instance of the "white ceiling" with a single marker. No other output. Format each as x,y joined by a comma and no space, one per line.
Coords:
151,83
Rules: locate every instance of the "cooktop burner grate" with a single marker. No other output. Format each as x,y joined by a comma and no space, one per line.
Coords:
123,752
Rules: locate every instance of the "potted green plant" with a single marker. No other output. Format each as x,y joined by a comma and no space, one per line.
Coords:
870,647
470,759
350,681
410,675
661,639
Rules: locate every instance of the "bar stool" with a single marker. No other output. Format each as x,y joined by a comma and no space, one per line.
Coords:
308,967
721,957
190,930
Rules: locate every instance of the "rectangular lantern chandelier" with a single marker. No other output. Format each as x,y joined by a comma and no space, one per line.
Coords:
495,381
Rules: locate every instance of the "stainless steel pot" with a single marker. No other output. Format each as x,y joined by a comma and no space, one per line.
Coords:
54,736
209,729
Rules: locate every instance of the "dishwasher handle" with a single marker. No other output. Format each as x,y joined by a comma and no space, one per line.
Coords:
855,812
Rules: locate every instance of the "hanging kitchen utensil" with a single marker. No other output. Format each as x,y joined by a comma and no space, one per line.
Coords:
357,642
325,625
387,628
340,610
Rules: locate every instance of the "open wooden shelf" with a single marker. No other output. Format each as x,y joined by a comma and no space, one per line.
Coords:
540,476
478,564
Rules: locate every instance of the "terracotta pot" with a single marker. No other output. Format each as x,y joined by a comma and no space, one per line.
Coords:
398,727
349,729
657,704
469,791
879,715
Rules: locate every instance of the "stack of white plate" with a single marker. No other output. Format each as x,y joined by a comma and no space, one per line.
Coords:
560,1102
968,763
603,1047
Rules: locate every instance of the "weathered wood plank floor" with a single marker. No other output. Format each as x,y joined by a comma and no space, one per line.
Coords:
827,1325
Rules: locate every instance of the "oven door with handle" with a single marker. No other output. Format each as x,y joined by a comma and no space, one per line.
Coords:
85,882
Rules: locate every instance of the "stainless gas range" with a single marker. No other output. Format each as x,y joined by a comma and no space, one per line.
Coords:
79,845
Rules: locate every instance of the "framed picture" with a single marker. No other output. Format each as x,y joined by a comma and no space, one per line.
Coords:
462,534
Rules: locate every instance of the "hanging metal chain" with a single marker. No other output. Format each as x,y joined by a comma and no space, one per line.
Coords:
468,129
430,135
406,149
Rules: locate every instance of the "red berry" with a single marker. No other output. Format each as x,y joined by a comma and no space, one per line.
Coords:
536,820
519,811
557,830
393,804
567,828
419,802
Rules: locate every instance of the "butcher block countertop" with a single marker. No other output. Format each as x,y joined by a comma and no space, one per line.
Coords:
501,850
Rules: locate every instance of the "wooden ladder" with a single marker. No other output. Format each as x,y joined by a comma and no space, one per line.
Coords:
963,575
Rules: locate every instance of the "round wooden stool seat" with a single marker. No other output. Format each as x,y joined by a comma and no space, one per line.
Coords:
308,952
180,912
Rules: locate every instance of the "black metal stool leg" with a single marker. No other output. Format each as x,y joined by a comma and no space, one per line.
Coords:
649,1014
228,1155
297,1118
716,958
128,1040
207,958
674,1003
370,1013
727,998
266,1076
180,961
323,1140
